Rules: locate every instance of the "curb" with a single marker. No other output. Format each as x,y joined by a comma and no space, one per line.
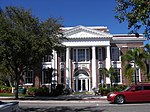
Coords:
55,99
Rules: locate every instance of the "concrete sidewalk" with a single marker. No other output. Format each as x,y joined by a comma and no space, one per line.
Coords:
71,97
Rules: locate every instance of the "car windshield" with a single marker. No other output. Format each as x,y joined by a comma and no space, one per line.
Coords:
127,88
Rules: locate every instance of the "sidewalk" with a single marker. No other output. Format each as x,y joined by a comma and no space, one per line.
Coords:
62,97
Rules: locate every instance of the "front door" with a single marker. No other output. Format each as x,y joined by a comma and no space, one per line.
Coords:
81,83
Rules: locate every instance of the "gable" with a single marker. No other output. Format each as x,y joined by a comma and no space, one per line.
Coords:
83,32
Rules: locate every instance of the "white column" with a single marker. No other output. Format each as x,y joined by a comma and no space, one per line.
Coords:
55,66
81,85
68,75
86,84
93,67
108,63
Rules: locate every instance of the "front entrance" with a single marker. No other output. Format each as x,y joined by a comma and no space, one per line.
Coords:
81,83
82,86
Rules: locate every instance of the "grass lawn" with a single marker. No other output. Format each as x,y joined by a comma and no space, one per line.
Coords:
10,94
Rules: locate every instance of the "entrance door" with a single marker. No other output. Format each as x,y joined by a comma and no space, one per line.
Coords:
81,83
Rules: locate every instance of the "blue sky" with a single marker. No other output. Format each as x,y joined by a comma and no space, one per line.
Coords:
74,12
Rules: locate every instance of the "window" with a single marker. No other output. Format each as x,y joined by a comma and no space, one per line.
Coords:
146,87
62,56
138,88
47,76
74,55
81,55
100,76
131,48
28,76
47,58
116,75
137,76
115,54
87,54
62,76
100,54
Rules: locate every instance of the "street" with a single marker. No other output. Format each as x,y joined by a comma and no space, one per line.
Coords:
81,106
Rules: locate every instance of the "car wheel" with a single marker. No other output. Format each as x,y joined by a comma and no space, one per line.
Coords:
119,99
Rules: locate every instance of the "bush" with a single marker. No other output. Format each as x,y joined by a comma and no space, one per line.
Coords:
31,91
5,89
105,91
42,91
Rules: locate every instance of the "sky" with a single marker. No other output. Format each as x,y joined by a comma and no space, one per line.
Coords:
74,12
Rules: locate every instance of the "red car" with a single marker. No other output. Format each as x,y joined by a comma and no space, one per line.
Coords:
136,93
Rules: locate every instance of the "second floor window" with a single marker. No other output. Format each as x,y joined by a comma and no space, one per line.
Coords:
62,56
115,54
100,54
47,58
81,55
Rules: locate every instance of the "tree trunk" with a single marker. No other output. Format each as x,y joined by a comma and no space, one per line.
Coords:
17,86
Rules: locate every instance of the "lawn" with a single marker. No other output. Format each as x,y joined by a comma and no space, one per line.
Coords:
10,94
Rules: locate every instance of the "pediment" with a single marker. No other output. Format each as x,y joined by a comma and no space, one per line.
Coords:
83,32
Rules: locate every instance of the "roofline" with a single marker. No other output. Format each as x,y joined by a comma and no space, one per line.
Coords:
91,27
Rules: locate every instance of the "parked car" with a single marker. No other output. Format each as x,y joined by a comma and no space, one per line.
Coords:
135,93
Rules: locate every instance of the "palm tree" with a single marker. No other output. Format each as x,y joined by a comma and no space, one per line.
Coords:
133,59
109,73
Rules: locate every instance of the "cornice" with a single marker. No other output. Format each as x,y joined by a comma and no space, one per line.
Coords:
86,33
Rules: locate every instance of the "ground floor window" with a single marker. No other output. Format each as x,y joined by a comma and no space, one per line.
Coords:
28,76
116,75
137,76
62,76
101,78
46,76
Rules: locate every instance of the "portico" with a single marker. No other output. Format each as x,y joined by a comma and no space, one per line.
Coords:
83,43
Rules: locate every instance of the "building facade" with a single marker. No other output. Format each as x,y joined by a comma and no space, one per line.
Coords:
80,65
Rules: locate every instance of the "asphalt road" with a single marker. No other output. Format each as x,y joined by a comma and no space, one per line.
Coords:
81,106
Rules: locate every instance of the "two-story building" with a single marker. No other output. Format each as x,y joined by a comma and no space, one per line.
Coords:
88,51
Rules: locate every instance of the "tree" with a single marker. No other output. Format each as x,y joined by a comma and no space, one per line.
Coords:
6,76
24,40
136,13
109,73
132,60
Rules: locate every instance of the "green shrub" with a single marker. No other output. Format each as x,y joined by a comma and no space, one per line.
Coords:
5,89
31,91
42,91
105,91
